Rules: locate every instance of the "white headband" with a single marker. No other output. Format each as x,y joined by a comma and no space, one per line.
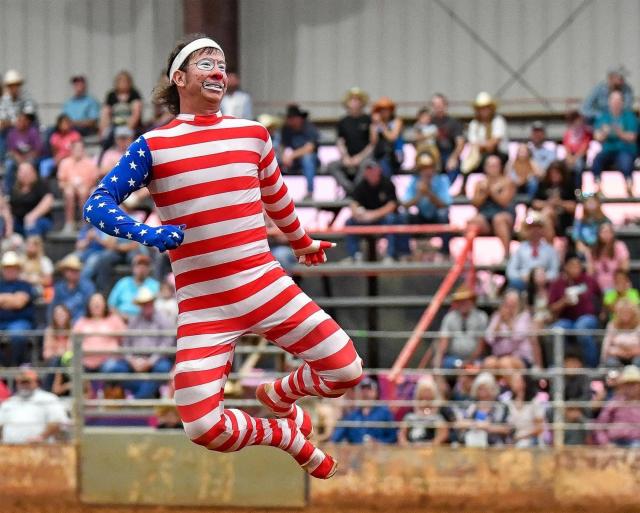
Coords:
198,44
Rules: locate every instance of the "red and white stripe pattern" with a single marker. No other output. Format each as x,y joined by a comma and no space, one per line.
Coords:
215,175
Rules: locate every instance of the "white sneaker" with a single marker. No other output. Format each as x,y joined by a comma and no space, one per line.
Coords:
69,227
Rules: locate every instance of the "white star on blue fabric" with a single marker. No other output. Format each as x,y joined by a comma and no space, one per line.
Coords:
143,231
128,236
112,211
127,153
175,235
119,218
114,178
131,182
116,231
132,165
101,224
101,205
89,208
141,152
159,230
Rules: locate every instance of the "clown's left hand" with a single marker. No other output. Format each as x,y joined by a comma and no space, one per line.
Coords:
313,254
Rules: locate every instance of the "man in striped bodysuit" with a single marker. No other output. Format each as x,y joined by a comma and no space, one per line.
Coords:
210,177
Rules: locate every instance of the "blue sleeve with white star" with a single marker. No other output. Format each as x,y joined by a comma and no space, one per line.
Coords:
132,172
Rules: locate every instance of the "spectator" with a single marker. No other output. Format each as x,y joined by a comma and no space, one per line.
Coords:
577,387
619,411
353,140
430,420
273,124
556,200
23,145
31,415
607,256
374,202
510,337
60,141
380,413
14,101
450,138
424,135
386,136
123,136
574,299
526,415
525,172
535,252
97,319
429,192
57,341
122,296
461,332
538,298
485,420
622,289
82,109
494,199
585,230
31,202
166,303
77,176
300,144
151,320
236,102
6,219
621,345
616,129
596,103
16,309
541,154
487,135
38,268
576,140
72,290
122,107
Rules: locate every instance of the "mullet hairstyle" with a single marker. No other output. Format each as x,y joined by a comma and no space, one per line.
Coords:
165,92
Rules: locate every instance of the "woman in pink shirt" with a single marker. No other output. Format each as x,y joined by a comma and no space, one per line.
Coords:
576,141
99,320
607,256
60,141
621,344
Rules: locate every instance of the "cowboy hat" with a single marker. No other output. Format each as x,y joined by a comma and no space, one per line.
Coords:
11,259
269,121
425,160
630,374
384,103
462,293
143,296
293,110
71,261
534,218
13,77
484,99
358,93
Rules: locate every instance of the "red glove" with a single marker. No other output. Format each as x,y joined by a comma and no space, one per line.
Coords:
313,254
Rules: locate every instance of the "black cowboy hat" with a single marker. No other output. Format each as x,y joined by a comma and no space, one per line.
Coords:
293,110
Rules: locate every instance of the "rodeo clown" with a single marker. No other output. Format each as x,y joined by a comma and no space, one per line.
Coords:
210,177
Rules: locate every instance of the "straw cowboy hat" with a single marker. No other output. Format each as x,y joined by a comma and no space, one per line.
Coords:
425,160
269,121
534,218
11,259
630,374
71,261
384,103
462,293
144,296
358,93
12,77
484,99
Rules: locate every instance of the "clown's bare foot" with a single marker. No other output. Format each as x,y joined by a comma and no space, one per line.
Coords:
266,394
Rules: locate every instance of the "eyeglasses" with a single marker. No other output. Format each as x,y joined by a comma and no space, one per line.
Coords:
209,64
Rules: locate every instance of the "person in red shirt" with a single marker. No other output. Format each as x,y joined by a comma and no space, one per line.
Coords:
576,141
60,141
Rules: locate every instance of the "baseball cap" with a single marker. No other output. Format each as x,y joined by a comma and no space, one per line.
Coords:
537,125
123,131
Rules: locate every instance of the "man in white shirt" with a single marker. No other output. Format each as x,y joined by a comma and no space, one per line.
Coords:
31,415
236,103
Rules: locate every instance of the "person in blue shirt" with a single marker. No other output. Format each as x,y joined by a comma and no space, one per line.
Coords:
124,292
368,391
617,130
429,193
72,290
597,102
82,108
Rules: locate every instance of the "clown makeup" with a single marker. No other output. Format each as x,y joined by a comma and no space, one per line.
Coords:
208,64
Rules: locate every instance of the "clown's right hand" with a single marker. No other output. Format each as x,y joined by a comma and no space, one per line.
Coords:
313,253
165,237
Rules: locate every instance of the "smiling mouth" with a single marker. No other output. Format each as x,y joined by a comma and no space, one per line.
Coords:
213,86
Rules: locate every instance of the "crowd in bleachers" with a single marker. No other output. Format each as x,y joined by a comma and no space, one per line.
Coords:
568,270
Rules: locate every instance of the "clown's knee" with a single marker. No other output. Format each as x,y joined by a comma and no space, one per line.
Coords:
346,377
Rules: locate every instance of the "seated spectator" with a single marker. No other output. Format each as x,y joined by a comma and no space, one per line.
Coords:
23,146
236,102
97,319
57,342
621,345
538,298
577,387
31,202
60,141
430,420
575,299
122,296
374,202
622,289
300,144
385,134
542,155
122,107
494,199
585,230
353,140
617,130
525,172
607,256
429,193
82,109
575,140
16,310
484,422
535,252
368,391
526,415
449,139
37,268
619,411
31,415
6,219
123,137
509,336
597,102
424,135
72,290
487,135
166,303
13,102
151,320
461,331
77,177
556,200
